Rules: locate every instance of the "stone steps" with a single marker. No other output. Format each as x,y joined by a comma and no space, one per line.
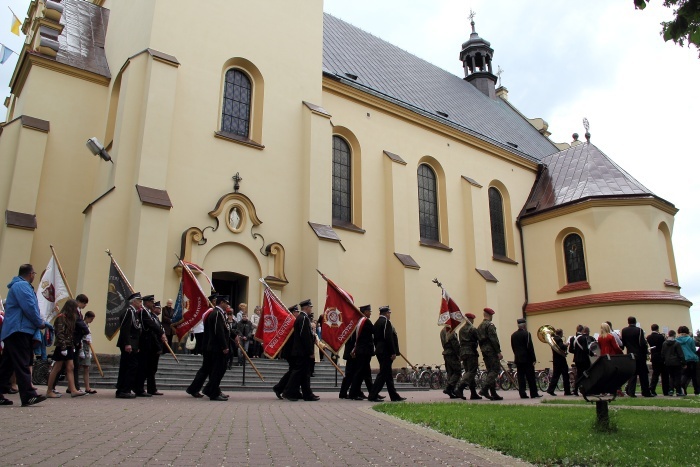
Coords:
173,375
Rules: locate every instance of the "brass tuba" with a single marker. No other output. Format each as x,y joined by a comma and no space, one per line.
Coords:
546,334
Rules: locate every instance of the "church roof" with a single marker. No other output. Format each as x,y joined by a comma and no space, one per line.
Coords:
579,173
371,64
82,42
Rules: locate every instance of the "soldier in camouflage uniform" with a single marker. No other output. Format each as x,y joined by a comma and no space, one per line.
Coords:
450,353
469,354
491,351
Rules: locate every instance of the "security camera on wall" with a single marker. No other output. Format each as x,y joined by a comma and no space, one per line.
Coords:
97,149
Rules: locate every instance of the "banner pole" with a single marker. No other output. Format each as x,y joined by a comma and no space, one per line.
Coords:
60,271
121,273
245,354
329,358
409,363
97,362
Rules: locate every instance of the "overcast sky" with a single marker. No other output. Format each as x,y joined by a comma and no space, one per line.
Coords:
562,61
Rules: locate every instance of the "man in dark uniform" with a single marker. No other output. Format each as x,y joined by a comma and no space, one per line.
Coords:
578,346
450,353
217,346
81,330
656,341
362,352
150,341
350,365
469,354
560,365
524,352
491,352
386,344
128,343
302,356
204,371
286,353
635,343
155,357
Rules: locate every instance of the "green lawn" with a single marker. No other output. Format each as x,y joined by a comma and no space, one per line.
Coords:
549,435
689,401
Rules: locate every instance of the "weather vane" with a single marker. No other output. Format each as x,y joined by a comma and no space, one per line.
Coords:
499,73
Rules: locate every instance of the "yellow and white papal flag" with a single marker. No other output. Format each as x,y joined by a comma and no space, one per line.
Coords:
16,23
51,290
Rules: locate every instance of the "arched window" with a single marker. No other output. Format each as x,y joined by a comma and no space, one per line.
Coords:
573,256
235,114
428,203
342,180
498,232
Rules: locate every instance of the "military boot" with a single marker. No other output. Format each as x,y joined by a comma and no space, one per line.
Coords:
459,392
485,392
474,395
494,395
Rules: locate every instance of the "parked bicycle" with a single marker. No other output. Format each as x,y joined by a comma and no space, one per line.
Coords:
438,379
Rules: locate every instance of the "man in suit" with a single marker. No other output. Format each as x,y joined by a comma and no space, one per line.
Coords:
150,341
217,346
302,356
286,353
635,343
578,346
350,365
560,365
469,354
128,343
524,351
204,370
386,344
656,342
362,352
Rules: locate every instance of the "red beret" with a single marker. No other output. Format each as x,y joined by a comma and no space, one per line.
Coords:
471,315
489,311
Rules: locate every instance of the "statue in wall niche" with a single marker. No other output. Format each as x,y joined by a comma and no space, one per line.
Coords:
234,218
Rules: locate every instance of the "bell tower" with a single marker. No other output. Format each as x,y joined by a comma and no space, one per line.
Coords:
476,56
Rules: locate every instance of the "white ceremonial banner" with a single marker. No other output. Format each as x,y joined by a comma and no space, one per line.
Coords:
51,290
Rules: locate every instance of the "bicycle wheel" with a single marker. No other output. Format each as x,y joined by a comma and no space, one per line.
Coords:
504,382
560,383
572,379
435,380
543,381
424,380
40,373
400,377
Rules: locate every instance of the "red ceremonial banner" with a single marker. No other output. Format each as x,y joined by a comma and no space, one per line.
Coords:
198,303
449,312
276,324
340,316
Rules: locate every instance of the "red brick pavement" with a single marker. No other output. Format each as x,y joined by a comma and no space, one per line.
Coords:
253,428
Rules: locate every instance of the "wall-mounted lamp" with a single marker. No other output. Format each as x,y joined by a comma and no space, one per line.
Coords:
97,149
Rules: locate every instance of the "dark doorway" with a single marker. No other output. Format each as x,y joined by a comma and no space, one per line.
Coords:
231,284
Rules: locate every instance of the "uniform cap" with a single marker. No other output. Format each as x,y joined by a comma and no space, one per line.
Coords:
470,315
222,298
135,295
293,308
365,308
522,321
157,304
306,302
384,309
489,311
149,298
212,297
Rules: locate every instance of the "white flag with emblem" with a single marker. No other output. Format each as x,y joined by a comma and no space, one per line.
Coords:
51,290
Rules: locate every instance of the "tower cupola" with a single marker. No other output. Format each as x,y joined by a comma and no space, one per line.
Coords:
476,57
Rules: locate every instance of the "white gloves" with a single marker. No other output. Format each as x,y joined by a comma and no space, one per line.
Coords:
64,353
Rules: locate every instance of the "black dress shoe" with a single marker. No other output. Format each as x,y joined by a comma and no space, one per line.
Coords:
373,399
143,394
536,396
344,396
312,398
157,393
524,396
125,395
219,398
358,398
4,401
290,398
398,399
552,393
277,393
380,397
197,395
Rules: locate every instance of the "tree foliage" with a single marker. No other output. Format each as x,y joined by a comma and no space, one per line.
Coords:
685,27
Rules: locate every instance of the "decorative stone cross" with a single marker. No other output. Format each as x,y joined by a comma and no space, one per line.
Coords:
237,179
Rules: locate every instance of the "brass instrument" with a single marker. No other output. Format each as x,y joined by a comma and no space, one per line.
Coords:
546,334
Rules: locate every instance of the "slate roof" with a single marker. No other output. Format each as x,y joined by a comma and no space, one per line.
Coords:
82,41
578,173
394,74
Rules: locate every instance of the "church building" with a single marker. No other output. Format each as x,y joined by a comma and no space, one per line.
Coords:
258,145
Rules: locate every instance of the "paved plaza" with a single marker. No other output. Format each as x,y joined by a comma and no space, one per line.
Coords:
253,428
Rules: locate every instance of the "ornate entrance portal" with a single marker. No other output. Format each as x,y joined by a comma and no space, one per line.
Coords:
232,284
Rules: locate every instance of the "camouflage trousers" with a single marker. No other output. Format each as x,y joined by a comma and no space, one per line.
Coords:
453,368
493,368
471,366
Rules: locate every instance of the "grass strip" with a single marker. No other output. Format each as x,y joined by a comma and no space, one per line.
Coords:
691,402
548,435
